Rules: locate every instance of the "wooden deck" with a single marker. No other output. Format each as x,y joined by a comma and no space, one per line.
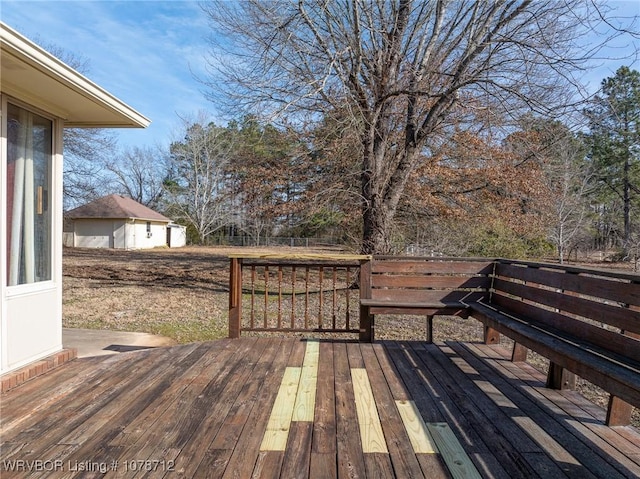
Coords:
287,408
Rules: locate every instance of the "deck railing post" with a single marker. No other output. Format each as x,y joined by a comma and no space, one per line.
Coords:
560,378
618,412
235,297
366,319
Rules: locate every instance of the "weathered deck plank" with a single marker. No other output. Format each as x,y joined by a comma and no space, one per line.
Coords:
603,451
202,411
459,408
246,450
82,404
350,460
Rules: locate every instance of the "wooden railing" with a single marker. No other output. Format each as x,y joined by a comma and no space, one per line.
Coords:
294,293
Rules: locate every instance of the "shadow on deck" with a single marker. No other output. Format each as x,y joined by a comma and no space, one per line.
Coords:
272,407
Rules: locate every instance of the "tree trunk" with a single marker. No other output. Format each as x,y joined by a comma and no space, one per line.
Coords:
376,229
627,208
375,215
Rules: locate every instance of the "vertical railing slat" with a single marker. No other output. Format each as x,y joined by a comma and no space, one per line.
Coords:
348,288
235,298
335,298
266,296
320,295
279,297
319,279
253,296
293,296
306,298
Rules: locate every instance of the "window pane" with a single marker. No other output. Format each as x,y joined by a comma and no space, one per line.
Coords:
29,218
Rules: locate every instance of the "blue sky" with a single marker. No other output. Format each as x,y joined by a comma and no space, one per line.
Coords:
144,52
147,52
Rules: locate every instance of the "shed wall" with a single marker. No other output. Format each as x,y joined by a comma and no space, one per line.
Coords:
142,240
119,233
176,236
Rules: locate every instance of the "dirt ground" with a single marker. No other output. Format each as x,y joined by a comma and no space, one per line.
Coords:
183,294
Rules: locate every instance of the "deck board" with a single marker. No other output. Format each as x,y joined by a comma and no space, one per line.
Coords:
201,410
526,433
350,459
462,407
596,446
543,423
324,423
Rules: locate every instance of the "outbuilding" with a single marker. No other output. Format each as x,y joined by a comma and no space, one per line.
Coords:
116,221
39,96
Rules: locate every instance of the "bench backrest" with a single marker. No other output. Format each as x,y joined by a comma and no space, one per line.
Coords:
594,305
427,279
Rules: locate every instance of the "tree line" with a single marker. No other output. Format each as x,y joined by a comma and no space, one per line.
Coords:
387,122
540,189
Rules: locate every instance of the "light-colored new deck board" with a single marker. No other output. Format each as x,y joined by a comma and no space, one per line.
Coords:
304,408
417,430
368,420
277,432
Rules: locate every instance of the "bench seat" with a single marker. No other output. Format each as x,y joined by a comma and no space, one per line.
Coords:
440,307
613,372
420,286
370,307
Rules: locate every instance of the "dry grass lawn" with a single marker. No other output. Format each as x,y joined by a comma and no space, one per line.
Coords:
183,294
179,293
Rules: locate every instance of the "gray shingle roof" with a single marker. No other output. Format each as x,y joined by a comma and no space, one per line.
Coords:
115,207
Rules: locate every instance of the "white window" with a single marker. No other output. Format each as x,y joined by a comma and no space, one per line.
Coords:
29,185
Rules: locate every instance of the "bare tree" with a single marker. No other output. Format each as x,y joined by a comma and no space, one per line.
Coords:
140,174
198,191
569,178
86,151
402,68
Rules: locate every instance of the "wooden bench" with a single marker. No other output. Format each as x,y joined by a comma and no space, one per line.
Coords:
586,322
420,286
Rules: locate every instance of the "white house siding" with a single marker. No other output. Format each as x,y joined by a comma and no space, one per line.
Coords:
36,334
119,234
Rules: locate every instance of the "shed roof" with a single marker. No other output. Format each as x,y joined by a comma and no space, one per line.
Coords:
115,207
32,74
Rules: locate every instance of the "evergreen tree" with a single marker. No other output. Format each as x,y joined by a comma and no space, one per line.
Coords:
614,139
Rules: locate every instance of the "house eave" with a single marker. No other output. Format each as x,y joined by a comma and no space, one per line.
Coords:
31,74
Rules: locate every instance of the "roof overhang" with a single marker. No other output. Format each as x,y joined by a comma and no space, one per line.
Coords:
33,75
111,218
